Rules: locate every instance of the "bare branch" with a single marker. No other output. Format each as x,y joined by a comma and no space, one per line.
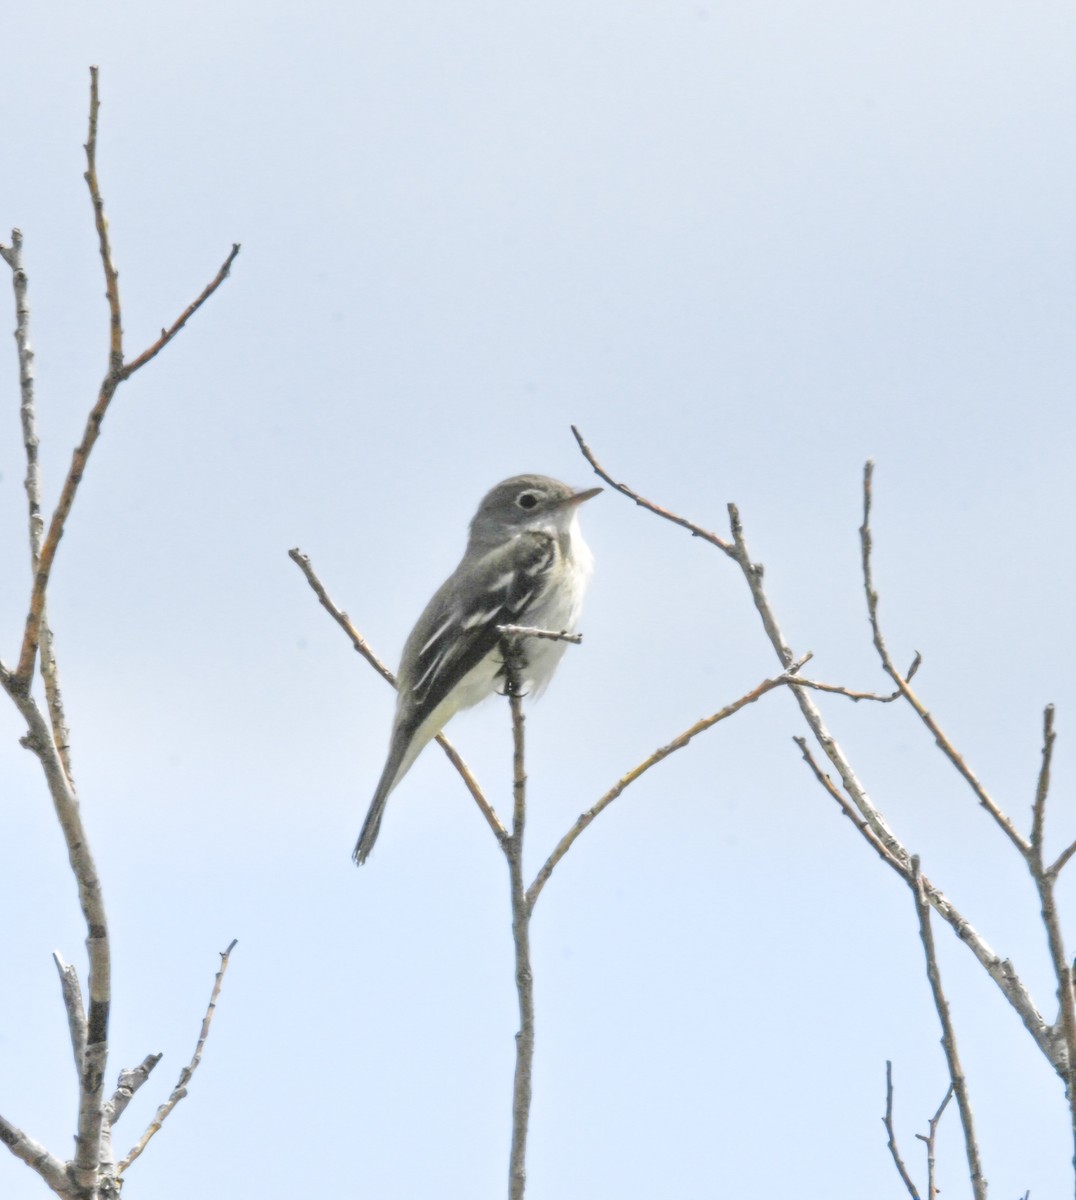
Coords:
76,1012
65,802
112,287
1042,788
753,574
695,530
849,810
678,743
521,913
302,561
50,1168
527,631
887,1120
180,1089
117,372
168,334
1062,860
952,1057
930,1138
1000,970
130,1080
27,412
837,690
1044,879
944,744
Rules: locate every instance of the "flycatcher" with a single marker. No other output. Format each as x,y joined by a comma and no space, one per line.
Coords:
525,564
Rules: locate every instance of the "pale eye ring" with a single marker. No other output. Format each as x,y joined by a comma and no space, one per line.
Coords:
527,500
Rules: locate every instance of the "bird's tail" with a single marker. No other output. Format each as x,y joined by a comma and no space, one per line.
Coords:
395,769
371,826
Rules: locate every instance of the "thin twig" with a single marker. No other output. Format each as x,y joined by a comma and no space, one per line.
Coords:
952,1057
168,334
1044,879
118,371
27,412
849,809
944,744
180,1089
837,690
73,1005
521,912
302,561
887,1120
1061,861
695,530
526,631
930,1137
678,743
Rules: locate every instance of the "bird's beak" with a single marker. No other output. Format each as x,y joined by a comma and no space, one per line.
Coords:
579,497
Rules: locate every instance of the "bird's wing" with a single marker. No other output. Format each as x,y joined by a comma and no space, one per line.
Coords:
459,626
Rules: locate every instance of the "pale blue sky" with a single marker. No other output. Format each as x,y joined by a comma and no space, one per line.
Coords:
743,247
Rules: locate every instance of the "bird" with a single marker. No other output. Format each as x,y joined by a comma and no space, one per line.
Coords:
525,563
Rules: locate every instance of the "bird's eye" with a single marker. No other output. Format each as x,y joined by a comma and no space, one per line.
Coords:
527,499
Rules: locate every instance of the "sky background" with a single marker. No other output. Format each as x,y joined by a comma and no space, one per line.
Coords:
743,248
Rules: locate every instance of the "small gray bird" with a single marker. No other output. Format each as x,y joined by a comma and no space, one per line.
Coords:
525,564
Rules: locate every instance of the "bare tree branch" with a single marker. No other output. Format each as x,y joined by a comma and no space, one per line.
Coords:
27,411
930,1139
849,809
952,1057
130,1080
678,743
576,639
695,530
512,650
1045,879
1042,788
944,744
65,802
180,1089
837,690
118,371
302,561
76,1012
1000,970
47,1165
887,1120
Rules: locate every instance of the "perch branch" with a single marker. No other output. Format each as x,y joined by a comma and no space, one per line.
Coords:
513,849
180,1089
526,631
302,561
952,1057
